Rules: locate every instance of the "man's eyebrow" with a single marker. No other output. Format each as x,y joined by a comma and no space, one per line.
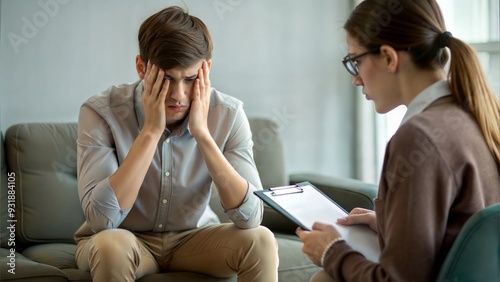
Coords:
166,76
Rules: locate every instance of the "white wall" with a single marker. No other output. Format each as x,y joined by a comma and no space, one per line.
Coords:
280,57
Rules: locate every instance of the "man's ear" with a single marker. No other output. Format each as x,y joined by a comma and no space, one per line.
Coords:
391,58
140,66
209,64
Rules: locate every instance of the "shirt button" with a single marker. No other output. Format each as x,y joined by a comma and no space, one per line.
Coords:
164,201
167,173
160,226
168,140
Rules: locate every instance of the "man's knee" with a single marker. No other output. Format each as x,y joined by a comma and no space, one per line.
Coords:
113,242
261,239
266,237
259,254
110,255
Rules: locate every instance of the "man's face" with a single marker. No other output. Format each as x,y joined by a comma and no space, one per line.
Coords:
180,92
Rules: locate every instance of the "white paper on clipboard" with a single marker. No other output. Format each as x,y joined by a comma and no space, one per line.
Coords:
310,205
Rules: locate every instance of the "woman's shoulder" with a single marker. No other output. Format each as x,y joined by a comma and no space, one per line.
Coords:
441,122
444,130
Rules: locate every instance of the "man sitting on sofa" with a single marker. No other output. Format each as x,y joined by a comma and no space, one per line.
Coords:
148,155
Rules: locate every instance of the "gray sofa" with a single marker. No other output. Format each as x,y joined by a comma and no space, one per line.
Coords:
38,162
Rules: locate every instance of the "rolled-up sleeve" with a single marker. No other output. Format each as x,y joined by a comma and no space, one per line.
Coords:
249,213
96,162
239,153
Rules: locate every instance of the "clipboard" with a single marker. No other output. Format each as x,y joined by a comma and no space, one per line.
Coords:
303,203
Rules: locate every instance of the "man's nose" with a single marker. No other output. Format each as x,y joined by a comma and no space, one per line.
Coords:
178,91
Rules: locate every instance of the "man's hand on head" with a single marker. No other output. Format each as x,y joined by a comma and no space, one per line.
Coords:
200,104
153,97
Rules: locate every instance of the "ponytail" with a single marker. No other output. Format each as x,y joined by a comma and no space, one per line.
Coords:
468,85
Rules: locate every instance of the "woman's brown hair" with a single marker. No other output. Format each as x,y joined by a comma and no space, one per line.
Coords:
417,26
172,38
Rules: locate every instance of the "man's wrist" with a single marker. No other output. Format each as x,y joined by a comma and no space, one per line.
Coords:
203,138
152,134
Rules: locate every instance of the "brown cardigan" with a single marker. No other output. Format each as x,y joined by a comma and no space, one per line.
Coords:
437,172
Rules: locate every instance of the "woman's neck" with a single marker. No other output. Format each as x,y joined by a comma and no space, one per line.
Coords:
414,82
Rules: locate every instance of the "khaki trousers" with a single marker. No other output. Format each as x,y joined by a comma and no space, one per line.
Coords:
321,276
220,250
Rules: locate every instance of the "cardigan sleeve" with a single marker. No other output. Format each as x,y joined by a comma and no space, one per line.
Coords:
416,191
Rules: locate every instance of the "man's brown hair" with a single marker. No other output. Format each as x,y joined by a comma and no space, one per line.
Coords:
172,38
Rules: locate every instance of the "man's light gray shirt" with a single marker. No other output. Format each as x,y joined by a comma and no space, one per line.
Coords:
177,188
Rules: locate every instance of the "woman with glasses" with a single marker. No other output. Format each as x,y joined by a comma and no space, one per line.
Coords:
442,164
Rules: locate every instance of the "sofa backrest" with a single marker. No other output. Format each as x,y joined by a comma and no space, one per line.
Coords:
43,158
268,152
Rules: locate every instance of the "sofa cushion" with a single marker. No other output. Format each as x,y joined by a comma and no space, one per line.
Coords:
77,275
43,158
294,265
28,270
59,255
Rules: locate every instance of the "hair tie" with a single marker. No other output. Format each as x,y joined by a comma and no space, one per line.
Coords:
442,40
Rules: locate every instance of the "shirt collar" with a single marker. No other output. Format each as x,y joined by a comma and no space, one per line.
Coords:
435,91
183,128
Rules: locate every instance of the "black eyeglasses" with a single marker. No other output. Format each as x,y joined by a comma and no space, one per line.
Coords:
351,64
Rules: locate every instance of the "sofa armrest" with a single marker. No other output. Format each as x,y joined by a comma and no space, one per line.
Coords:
349,193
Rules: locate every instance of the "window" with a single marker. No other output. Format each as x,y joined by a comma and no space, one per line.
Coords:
480,30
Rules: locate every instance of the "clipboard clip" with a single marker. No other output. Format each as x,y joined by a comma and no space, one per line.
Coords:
286,190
